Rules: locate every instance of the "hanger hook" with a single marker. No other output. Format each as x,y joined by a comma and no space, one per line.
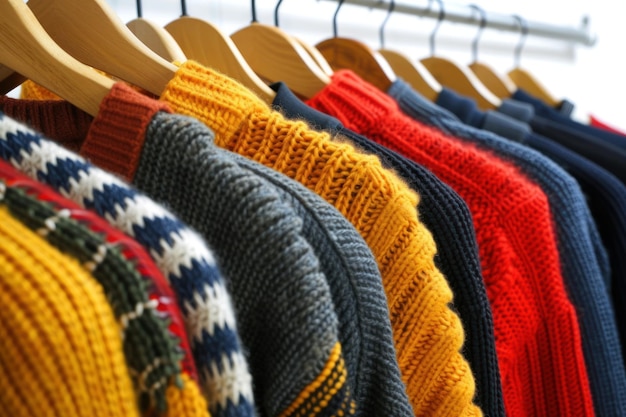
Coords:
523,33
183,8
139,13
253,10
276,12
481,27
335,18
381,32
440,18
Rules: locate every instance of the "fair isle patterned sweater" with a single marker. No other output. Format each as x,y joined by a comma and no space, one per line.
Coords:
180,253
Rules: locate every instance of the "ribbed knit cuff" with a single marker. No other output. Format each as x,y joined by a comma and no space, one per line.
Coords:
345,95
213,98
117,134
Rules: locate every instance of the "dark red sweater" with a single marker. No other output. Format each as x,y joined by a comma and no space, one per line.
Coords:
537,335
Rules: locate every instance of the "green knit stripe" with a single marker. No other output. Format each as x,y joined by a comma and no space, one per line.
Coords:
151,351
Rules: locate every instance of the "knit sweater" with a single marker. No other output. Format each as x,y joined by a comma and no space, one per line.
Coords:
579,266
537,333
71,229
428,334
61,350
181,255
446,215
345,259
281,290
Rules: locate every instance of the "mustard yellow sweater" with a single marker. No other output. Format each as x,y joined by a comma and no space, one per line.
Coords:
428,334
61,351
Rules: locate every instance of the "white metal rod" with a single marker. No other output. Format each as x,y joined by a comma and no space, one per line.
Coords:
494,21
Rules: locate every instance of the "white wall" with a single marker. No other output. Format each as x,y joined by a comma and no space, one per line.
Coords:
592,77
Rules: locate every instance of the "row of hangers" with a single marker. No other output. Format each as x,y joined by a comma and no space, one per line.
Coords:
59,43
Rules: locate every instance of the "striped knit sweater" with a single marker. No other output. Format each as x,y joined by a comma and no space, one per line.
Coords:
180,253
346,261
327,392
61,353
71,229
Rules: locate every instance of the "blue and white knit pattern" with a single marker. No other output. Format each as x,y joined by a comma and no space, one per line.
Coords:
180,253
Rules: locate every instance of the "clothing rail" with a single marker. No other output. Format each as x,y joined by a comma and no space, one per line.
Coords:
508,23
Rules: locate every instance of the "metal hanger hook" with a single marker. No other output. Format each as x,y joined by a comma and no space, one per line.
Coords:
440,18
253,11
276,12
335,18
481,27
183,8
381,32
139,13
523,33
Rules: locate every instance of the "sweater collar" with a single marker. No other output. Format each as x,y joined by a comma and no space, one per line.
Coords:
291,106
217,100
113,140
356,103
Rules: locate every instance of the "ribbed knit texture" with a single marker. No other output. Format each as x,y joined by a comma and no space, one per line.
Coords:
350,269
33,91
180,253
345,259
446,215
428,335
150,350
537,334
69,238
61,350
276,281
579,266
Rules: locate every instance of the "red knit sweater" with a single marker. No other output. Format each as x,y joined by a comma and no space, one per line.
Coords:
537,334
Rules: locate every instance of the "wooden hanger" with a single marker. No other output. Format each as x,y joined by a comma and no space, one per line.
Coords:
205,43
524,79
275,56
25,47
92,33
412,72
502,86
456,77
358,57
312,51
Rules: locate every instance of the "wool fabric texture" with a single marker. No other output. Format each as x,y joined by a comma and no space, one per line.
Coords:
582,275
428,334
299,353
149,348
180,253
446,215
323,369
71,239
345,259
61,350
600,124
537,334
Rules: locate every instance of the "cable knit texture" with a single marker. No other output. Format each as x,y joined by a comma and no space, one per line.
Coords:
428,335
61,349
537,334
180,253
580,268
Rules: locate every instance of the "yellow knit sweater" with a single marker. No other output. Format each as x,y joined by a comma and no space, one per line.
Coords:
428,334
60,351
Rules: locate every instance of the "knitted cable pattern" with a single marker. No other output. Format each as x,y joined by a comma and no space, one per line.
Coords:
61,350
179,252
537,334
427,333
150,350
